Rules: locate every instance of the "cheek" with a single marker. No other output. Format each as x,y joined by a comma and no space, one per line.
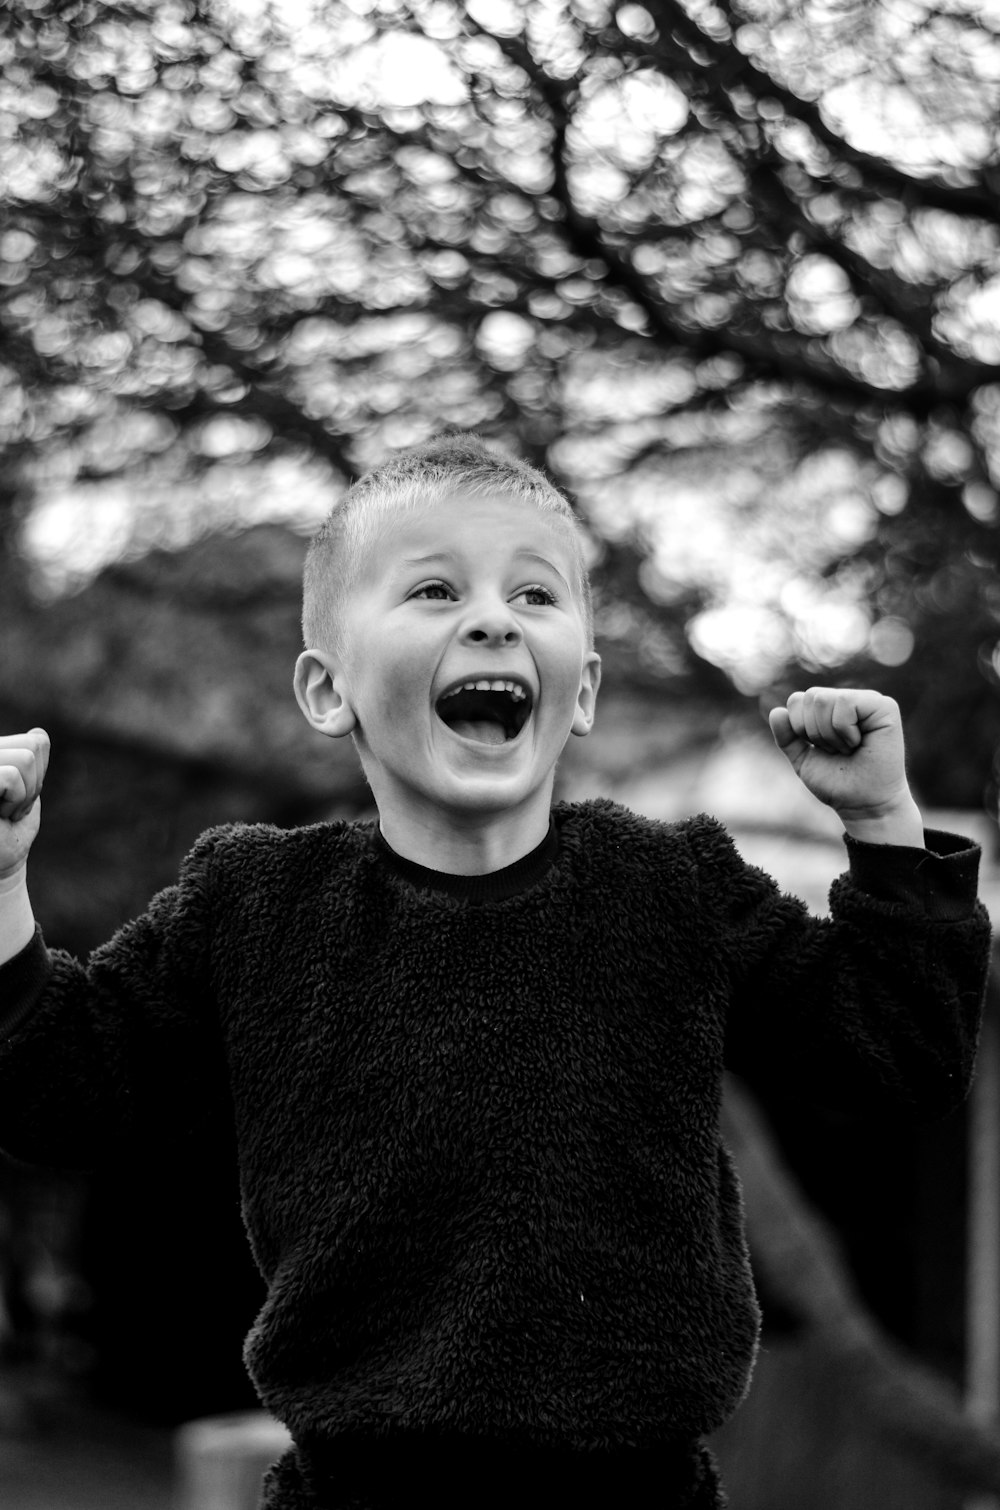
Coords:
564,670
397,691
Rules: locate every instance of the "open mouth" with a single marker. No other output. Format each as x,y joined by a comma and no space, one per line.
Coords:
490,712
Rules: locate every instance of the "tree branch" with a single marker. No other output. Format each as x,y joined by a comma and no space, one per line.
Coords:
728,66
764,354
954,380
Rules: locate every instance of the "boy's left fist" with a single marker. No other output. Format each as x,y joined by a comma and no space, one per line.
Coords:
846,746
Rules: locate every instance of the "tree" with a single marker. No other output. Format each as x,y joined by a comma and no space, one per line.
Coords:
732,269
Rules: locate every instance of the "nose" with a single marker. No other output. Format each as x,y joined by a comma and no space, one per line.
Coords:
492,622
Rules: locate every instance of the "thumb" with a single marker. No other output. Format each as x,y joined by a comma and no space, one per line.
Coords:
791,745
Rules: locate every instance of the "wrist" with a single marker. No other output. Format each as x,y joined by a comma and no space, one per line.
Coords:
17,921
894,823
14,880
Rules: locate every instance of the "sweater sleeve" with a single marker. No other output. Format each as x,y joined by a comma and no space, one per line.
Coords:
877,1006
95,1057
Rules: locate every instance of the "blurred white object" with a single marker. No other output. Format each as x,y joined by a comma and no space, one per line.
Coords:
221,1460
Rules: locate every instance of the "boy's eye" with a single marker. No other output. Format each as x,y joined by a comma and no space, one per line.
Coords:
536,597
432,590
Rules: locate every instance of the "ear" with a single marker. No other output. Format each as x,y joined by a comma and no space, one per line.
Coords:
586,702
321,693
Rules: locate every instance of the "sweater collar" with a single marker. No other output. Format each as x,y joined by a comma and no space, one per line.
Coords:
495,886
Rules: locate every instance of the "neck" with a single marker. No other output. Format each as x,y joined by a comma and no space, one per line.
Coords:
473,845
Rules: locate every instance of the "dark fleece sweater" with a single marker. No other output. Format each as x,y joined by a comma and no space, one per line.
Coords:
478,1122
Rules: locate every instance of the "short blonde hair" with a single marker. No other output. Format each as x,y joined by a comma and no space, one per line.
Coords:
422,474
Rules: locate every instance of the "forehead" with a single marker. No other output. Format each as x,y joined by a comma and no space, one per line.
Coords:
472,528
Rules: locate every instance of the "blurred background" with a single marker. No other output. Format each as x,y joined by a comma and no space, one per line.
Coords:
730,275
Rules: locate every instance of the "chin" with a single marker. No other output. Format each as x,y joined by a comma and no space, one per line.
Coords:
491,793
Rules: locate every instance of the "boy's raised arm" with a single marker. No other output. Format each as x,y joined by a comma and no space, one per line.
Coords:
97,1054
878,1004
24,759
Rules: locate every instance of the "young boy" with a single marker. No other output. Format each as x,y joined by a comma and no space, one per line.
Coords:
473,1053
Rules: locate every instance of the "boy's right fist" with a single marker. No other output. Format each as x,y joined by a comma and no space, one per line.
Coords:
23,762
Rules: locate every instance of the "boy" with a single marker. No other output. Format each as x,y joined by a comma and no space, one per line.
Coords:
473,1054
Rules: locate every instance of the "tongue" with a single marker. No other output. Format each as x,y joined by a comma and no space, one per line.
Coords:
482,729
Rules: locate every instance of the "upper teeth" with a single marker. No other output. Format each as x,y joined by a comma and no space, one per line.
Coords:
516,692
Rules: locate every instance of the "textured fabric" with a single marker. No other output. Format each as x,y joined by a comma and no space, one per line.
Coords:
458,1474
22,981
935,878
495,886
479,1146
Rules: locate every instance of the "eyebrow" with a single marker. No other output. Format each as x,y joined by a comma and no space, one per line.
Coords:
523,555
543,561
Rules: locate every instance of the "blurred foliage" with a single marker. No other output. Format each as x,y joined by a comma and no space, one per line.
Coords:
730,274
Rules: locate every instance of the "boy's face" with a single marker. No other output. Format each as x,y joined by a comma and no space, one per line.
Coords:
457,593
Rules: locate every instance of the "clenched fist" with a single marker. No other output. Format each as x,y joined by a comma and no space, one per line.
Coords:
23,762
846,747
